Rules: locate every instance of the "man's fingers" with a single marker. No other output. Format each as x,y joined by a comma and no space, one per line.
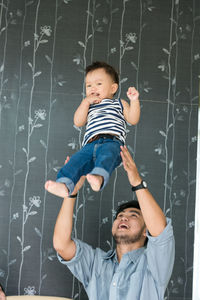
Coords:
125,162
78,185
127,159
67,159
125,154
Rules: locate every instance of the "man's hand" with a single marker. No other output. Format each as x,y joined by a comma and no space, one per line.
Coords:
79,183
93,99
130,167
2,295
132,94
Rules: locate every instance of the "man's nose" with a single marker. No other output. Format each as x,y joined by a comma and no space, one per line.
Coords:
124,217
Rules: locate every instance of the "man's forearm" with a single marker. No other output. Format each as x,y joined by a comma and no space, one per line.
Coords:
62,232
152,213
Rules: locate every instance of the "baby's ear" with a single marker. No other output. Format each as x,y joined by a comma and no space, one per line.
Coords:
114,88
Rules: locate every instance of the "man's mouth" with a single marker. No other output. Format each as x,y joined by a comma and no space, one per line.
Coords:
123,226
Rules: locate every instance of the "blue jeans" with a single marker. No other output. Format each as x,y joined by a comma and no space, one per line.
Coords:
100,157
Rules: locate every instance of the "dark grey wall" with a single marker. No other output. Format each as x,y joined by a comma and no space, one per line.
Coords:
45,45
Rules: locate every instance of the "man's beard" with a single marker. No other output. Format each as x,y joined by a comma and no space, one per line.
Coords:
127,239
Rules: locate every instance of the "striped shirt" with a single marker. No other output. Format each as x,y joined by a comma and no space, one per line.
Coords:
105,117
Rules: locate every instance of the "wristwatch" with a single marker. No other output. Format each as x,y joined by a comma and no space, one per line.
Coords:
142,185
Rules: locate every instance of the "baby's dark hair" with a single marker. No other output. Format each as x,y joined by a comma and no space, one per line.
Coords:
103,65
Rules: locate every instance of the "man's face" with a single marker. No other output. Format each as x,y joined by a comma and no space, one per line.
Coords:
100,84
129,227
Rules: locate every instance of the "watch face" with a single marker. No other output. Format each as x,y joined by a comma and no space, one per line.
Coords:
144,184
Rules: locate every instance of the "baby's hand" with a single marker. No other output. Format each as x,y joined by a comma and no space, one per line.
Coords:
93,99
132,94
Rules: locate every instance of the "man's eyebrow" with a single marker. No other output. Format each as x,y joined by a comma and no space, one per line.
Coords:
135,211
131,211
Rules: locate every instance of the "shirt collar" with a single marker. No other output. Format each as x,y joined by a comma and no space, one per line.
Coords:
132,255
135,254
109,254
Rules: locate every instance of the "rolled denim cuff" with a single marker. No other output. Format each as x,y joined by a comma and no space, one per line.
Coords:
102,172
68,182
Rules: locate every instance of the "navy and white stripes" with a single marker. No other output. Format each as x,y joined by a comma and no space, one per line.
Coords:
105,117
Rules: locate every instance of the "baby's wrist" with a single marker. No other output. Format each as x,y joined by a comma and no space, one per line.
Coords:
134,100
86,101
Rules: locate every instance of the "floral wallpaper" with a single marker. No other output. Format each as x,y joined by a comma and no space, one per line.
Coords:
45,47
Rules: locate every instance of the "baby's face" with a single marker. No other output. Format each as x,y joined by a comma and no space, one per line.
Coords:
99,83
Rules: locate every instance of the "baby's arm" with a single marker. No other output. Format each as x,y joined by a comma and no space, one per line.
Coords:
132,111
80,115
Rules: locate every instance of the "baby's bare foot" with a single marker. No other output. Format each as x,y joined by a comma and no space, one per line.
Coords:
95,181
57,188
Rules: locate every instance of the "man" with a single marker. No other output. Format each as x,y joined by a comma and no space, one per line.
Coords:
132,271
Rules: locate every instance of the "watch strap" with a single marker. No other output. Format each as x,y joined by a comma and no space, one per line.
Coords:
140,186
72,196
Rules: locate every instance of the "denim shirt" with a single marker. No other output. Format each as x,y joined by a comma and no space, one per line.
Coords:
141,274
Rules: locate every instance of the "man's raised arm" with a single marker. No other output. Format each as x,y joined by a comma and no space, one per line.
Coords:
153,215
62,240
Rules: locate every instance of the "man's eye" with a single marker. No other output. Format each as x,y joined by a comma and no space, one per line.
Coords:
133,215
